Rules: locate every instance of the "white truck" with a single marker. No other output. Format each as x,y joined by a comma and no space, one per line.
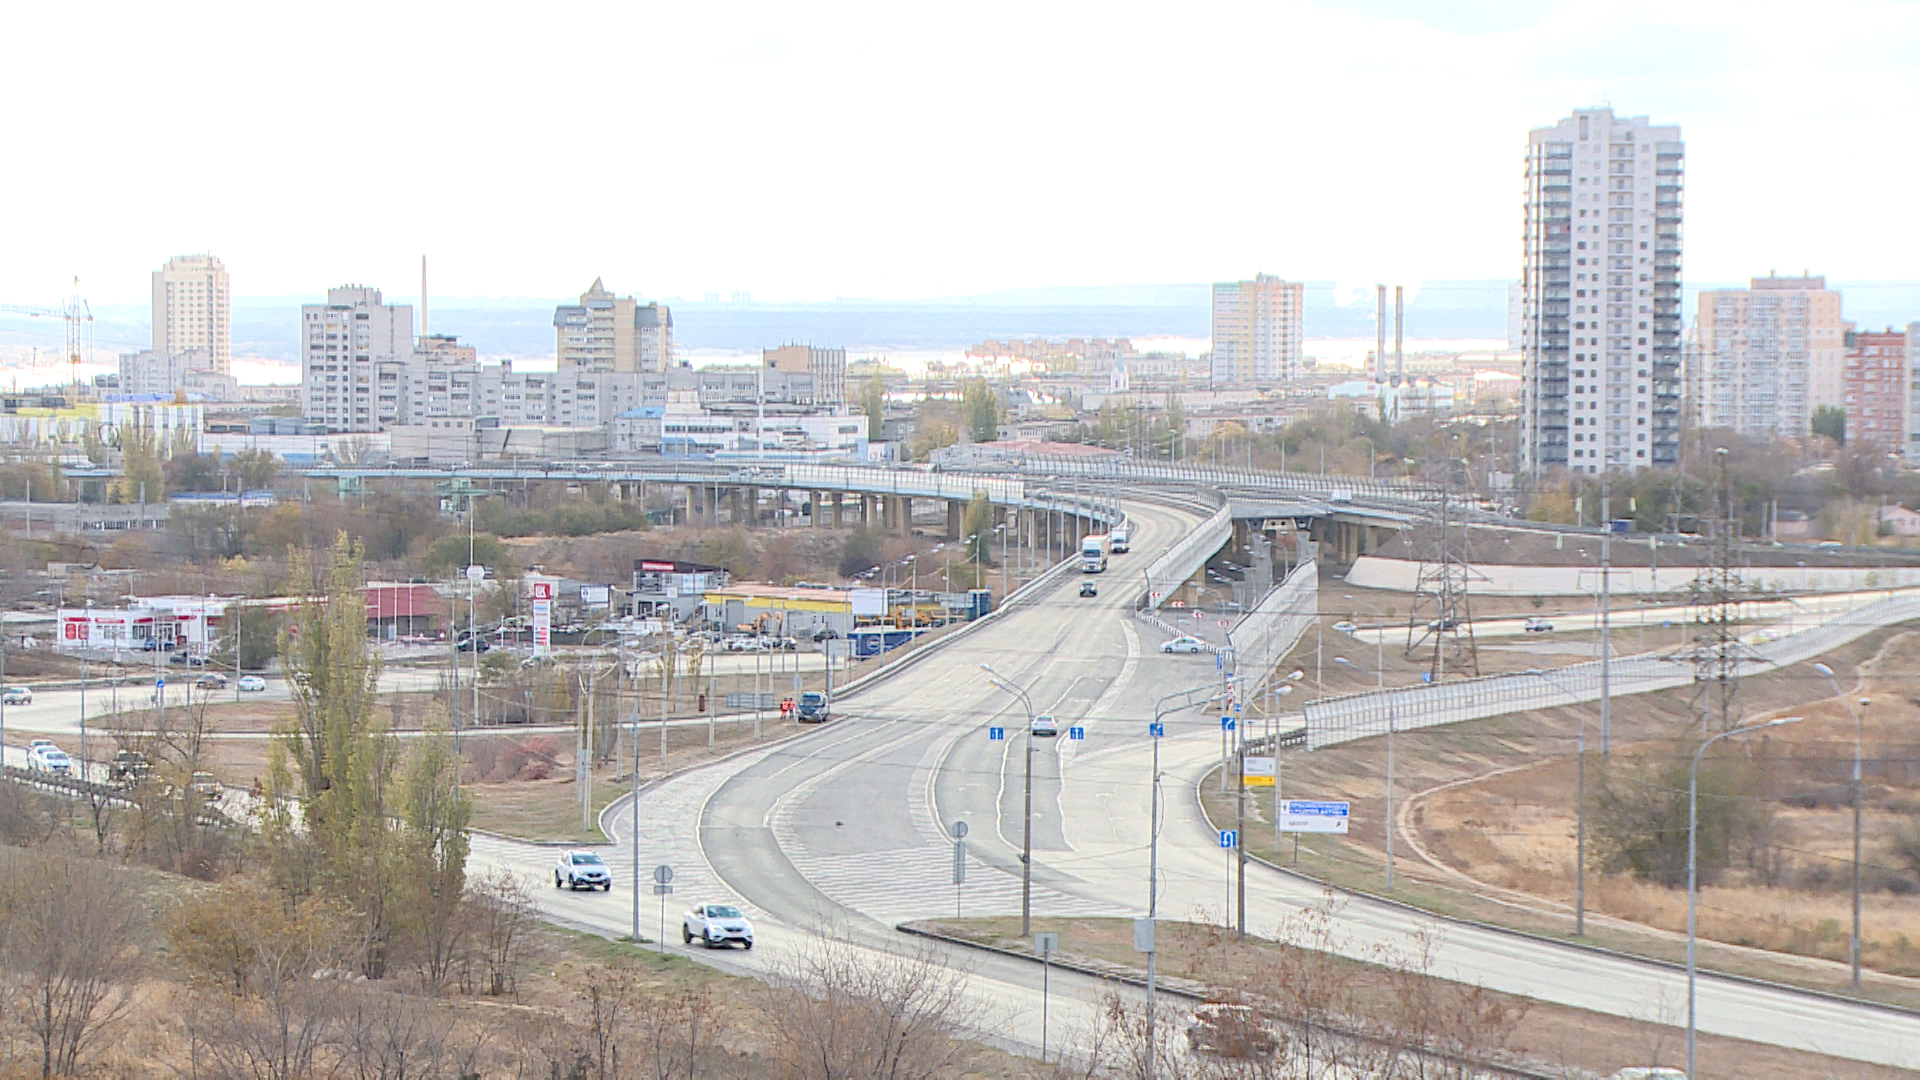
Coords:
1117,539
1093,553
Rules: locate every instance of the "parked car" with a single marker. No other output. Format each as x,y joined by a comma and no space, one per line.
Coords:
37,744
1344,627
582,870
1087,589
1443,623
16,695
1044,725
814,708
50,759
187,659
1185,643
716,925
207,786
128,767
210,680
786,644
743,643
825,633
252,684
1538,626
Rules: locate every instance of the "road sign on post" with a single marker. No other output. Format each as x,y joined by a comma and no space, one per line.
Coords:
1259,771
1229,839
1308,816
1226,723
1045,944
995,734
1157,730
662,874
1076,732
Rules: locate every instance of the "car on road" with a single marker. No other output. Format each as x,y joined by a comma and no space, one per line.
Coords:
466,644
1538,625
210,680
813,708
1445,622
1185,643
1044,725
1087,588
1345,627
128,767
50,759
715,925
785,643
252,684
16,695
188,659
582,870
37,744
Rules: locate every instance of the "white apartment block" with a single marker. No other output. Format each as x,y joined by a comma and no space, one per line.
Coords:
345,345
604,332
1257,330
1770,354
1600,321
192,310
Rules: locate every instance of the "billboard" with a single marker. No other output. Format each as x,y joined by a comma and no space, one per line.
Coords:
869,601
596,596
542,618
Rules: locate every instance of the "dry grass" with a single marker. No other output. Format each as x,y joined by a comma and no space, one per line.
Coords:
1192,957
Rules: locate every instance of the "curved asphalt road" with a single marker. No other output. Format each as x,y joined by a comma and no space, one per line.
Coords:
844,830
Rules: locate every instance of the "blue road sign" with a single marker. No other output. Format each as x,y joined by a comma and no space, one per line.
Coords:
1156,730
1219,662
1076,732
159,684
1229,838
1226,723
1426,676
996,733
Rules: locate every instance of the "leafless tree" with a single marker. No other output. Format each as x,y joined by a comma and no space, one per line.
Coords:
391,1036
67,949
501,917
675,1035
848,1012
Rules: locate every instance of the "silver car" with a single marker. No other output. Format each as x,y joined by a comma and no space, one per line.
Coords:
715,925
582,870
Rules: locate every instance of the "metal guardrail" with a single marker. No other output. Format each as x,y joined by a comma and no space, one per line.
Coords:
1272,628
1335,720
1178,563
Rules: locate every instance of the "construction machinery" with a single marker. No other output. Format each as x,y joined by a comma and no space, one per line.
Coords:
78,317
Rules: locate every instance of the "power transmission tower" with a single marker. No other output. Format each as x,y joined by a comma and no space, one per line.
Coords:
1442,615
1716,651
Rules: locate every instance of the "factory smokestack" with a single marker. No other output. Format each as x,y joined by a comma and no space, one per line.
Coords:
1380,333
1399,307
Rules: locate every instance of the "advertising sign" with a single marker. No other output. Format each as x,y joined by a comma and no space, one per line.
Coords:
869,601
1301,815
542,618
1259,771
596,596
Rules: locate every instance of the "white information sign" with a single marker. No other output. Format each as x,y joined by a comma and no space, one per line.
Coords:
1302,815
1259,771
542,618
869,601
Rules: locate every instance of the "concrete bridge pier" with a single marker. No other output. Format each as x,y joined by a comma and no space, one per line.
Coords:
956,518
839,508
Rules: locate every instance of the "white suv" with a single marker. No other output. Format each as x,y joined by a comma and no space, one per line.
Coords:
715,925
582,870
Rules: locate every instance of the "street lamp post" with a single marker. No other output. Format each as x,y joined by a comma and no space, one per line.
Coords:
1853,939
1579,817
1379,645
1693,868
1391,725
1026,824
1187,699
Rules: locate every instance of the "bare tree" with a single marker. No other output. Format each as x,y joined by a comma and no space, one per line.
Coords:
67,947
501,916
675,1034
847,1012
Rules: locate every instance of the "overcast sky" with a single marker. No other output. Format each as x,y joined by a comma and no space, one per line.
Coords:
900,150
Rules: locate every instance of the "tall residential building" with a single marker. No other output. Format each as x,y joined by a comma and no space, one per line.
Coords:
604,332
1600,323
1874,388
827,366
191,310
343,345
1772,353
1257,330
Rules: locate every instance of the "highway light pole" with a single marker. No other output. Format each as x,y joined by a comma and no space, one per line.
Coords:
1026,823
1853,939
1579,816
1391,725
1693,868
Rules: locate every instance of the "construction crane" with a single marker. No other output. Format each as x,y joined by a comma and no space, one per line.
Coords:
77,316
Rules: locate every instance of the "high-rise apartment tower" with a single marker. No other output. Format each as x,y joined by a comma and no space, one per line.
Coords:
191,310
1770,354
1600,318
343,344
1257,329
604,332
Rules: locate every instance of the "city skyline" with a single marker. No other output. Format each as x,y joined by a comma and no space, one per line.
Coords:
902,197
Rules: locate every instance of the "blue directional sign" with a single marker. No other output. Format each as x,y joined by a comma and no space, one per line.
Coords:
1157,730
1219,662
159,684
1076,732
996,733
1226,723
1426,676
1229,838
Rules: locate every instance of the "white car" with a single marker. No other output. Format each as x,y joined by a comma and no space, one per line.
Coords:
743,643
1044,725
252,683
716,925
16,695
1344,627
50,759
582,870
1538,626
1185,643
